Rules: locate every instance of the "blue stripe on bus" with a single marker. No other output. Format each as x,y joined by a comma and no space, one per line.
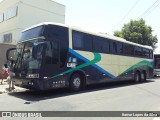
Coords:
94,65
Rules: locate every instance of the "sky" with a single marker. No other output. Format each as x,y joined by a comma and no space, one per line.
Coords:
106,16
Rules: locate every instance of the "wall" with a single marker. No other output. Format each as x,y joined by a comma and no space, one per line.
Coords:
31,14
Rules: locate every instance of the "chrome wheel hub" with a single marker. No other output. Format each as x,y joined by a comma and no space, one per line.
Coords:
77,82
137,77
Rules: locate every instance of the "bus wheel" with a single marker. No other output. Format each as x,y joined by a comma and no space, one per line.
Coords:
137,77
75,82
155,75
143,76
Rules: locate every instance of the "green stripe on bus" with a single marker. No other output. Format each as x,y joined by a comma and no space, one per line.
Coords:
142,63
97,58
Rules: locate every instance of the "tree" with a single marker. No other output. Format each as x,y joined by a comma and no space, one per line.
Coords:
137,31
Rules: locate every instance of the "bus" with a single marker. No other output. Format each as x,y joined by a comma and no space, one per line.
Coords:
51,55
156,65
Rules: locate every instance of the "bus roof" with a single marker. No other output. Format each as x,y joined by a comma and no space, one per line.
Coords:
45,23
92,33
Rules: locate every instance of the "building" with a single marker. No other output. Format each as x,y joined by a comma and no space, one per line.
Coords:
16,15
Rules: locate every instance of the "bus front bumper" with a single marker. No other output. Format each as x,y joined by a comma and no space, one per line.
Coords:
25,83
156,72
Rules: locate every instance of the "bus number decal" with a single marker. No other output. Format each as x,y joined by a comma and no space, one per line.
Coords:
72,62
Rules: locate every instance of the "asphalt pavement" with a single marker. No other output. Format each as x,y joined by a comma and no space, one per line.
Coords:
119,96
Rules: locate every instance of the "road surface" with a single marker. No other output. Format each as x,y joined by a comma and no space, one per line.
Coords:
121,96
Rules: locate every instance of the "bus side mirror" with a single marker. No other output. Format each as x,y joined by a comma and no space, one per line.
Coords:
10,54
38,49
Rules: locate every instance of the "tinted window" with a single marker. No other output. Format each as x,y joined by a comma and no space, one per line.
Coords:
55,51
78,40
88,40
128,49
138,51
116,47
82,41
48,54
101,45
151,54
59,36
32,33
146,53
52,52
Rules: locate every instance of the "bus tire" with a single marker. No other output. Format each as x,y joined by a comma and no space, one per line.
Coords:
137,77
75,83
143,76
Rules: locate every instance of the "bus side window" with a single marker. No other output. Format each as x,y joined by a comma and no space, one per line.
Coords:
78,42
48,54
146,53
55,51
52,52
119,48
88,42
128,49
138,51
100,45
151,54
116,47
82,41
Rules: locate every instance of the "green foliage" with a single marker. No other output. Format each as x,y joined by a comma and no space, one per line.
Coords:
137,31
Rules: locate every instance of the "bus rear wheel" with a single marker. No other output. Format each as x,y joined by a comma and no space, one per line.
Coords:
143,76
75,82
137,77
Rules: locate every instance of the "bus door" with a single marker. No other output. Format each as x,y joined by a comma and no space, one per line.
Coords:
51,59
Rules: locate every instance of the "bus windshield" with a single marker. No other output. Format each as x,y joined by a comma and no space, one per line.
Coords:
25,61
